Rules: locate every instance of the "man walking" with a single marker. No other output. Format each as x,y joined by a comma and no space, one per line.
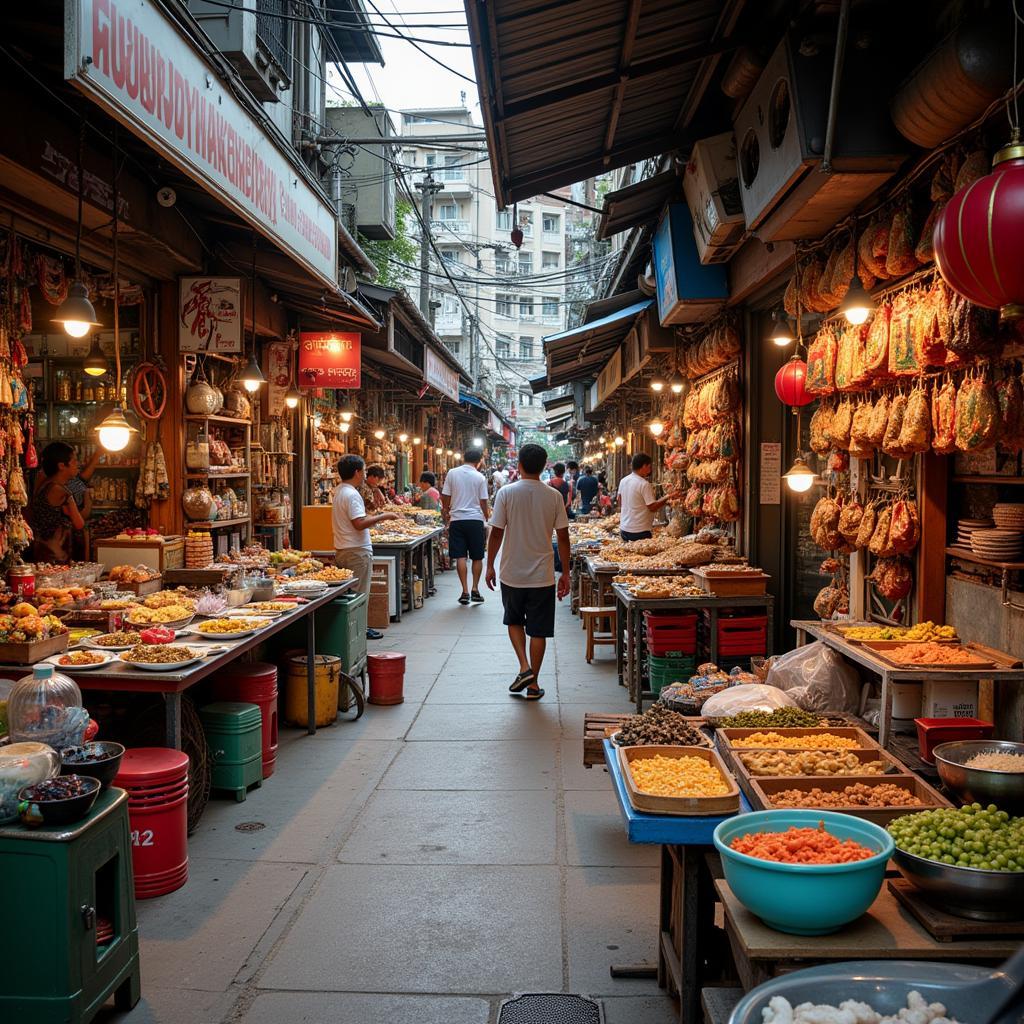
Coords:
351,526
587,488
525,514
464,509
637,502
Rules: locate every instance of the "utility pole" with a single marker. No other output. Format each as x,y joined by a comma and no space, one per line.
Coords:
427,188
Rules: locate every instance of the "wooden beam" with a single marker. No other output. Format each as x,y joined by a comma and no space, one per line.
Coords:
727,20
625,58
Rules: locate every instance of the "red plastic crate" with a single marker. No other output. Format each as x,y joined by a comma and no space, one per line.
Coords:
933,731
667,644
742,639
670,620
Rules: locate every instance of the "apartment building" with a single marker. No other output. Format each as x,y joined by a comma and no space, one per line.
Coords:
500,301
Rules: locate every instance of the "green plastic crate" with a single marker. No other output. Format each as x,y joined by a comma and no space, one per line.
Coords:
234,734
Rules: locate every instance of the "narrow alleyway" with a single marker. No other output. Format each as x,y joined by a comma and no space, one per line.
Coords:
422,863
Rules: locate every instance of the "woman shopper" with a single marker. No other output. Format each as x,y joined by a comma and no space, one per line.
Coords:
429,496
54,513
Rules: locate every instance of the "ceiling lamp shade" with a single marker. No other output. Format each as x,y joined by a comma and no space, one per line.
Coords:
76,313
115,431
656,427
800,477
657,383
346,412
292,397
676,384
95,364
857,305
252,376
780,333
979,236
789,383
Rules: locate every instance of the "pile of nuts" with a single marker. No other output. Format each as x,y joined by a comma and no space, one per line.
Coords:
884,794
660,725
808,741
808,762
779,718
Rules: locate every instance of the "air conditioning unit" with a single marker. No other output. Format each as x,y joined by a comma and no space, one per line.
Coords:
780,138
258,44
713,194
368,183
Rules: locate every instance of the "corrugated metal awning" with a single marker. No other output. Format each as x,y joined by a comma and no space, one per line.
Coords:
581,87
639,203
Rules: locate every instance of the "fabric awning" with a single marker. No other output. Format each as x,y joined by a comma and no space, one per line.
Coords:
639,203
602,307
581,87
579,353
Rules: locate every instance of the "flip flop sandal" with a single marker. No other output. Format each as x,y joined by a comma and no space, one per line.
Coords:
532,694
521,681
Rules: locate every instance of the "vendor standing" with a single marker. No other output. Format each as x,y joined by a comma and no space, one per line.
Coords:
350,524
637,502
429,496
373,486
54,511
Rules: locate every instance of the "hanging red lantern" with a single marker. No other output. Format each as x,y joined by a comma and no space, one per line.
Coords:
789,383
979,236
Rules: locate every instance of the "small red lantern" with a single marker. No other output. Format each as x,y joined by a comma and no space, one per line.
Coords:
789,383
979,236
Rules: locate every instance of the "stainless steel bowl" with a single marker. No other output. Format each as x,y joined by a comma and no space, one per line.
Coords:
981,785
966,892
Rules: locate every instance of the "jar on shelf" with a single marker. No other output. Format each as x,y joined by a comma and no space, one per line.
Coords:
63,388
46,707
197,452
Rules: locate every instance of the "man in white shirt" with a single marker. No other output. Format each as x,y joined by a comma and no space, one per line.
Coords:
499,478
525,514
464,508
637,503
351,526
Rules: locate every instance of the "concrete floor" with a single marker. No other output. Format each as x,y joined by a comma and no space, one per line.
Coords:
421,864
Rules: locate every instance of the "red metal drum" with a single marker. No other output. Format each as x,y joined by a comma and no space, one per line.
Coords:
156,780
387,676
255,683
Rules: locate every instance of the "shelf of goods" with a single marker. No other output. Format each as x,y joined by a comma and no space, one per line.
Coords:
214,441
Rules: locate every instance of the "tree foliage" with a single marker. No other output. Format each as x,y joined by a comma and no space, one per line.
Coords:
389,255
556,452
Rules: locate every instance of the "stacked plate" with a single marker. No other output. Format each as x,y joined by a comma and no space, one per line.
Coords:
1009,515
998,545
965,527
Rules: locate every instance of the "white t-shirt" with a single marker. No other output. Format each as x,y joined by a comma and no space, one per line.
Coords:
499,478
467,487
636,493
528,511
348,505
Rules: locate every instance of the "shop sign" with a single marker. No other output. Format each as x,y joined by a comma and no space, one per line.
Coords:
134,62
634,351
610,377
329,360
496,423
438,374
688,291
277,368
209,314
771,473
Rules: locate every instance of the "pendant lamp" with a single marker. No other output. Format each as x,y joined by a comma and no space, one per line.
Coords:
252,376
95,364
799,477
780,333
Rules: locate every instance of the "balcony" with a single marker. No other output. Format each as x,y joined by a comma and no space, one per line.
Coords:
552,236
448,324
452,228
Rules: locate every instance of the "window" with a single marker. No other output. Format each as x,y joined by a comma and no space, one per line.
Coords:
526,305
552,223
503,347
448,211
526,398
502,263
525,348
549,305
503,220
526,222
550,260
504,397
452,170
449,304
525,264
503,304
451,256
454,346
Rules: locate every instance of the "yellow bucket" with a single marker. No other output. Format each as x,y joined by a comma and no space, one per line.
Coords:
327,670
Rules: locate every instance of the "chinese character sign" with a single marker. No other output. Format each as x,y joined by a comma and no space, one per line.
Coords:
329,360
210,314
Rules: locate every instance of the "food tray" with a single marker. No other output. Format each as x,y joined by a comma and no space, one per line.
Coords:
885,653
741,771
142,589
864,741
695,806
761,788
32,651
731,584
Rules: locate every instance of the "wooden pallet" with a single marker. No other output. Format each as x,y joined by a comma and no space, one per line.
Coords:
595,726
945,927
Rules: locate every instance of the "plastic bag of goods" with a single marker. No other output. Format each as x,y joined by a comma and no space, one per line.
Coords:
746,697
817,678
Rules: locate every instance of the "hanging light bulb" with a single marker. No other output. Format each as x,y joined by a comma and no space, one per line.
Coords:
458,457
403,437
95,364
656,427
800,476
252,376
346,412
292,397
858,304
438,451
602,439
478,442
115,431
619,440
344,427
780,333
417,440
380,433
450,452
73,419
676,384
657,383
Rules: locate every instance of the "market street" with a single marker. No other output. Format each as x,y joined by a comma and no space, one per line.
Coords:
422,863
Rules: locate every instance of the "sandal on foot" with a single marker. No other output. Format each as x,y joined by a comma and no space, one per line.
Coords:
532,694
521,681
464,599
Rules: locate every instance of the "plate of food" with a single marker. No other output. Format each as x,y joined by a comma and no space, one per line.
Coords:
266,608
81,660
119,641
228,628
332,576
163,657
247,611
304,587
174,616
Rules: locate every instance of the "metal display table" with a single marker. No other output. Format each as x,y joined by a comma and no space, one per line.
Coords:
413,555
889,673
123,678
630,640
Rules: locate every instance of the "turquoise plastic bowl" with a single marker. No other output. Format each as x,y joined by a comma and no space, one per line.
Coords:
804,899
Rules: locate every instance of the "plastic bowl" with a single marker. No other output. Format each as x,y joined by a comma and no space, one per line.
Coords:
804,899
981,785
104,769
882,984
58,812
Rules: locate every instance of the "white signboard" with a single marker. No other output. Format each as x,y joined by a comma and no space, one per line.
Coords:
771,473
438,374
210,314
132,59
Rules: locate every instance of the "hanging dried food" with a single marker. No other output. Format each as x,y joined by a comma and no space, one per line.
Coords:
972,329
842,424
977,416
1011,413
944,419
832,600
821,362
879,543
830,566
694,500
861,376
824,520
846,352
873,248
975,166
850,520
727,442
915,433
900,259
879,421
902,357
820,427
929,345
810,285
861,446
690,410
789,300
838,462
892,578
725,397
894,426
904,527
842,272
866,530
876,352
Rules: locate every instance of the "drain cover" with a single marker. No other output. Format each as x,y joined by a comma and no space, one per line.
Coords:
549,1008
249,826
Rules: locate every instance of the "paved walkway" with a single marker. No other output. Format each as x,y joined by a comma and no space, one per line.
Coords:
423,863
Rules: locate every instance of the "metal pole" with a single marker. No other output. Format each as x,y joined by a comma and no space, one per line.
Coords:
837,74
427,189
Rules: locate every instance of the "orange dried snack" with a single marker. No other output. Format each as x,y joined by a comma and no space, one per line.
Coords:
933,654
801,846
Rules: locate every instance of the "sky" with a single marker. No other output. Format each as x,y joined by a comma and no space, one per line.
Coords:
408,77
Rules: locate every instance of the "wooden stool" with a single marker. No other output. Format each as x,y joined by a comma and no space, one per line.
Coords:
591,617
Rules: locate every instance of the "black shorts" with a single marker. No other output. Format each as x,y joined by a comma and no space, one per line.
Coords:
532,607
466,535
646,535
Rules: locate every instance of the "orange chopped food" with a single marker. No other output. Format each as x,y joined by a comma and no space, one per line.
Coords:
805,741
801,846
933,654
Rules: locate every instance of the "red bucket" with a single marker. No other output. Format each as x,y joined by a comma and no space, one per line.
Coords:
254,683
156,779
387,676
